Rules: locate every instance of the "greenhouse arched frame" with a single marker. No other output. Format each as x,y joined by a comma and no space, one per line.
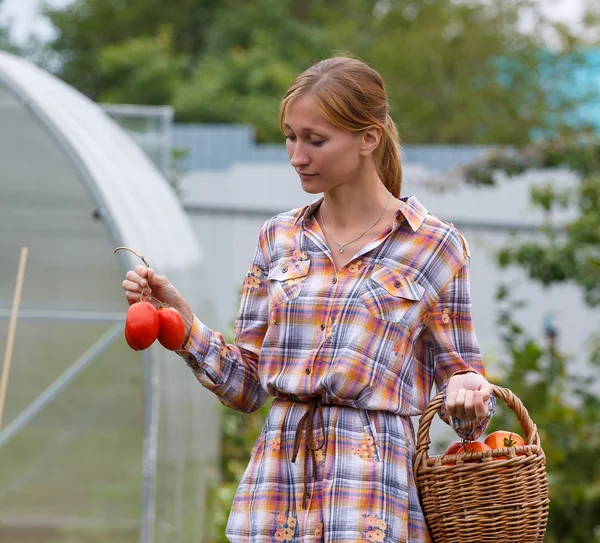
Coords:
97,440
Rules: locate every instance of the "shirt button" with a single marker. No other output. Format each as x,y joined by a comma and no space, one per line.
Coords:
284,269
397,283
322,327
307,371
334,280
308,494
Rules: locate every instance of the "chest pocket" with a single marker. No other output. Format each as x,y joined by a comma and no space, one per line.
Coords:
388,295
286,279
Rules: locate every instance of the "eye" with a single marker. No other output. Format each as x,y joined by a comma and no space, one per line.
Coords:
317,143
290,138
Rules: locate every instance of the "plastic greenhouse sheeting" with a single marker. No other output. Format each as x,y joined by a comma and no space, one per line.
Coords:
98,442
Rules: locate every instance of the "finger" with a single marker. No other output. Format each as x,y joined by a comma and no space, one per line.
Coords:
132,297
480,405
451,403
134,277
469,410
151,276
486,391
460,404
131,286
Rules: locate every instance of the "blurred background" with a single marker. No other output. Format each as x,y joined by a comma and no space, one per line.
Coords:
153,124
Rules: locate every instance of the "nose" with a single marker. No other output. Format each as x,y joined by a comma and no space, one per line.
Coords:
298,155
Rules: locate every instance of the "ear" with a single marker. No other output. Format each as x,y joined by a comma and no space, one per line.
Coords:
370,139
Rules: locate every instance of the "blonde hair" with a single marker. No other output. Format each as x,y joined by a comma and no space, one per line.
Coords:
351,95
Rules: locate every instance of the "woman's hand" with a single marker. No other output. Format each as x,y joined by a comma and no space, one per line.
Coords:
161,290
467,396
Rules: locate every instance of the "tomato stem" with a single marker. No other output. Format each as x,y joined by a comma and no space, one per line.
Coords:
135,253
147,266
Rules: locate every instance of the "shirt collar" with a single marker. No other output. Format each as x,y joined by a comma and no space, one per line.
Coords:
411,209
307,212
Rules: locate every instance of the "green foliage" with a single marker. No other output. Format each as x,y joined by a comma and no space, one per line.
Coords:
457,72
6,43
239,431
85,27
566,410
140,70
569,251
565,407
237,87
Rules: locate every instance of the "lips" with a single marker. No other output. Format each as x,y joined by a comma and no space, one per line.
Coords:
306,175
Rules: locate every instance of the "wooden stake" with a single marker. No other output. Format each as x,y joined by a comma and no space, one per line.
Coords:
12,327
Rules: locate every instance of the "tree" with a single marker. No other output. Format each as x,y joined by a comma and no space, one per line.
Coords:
86,27
566,408
6,44
472,76
456,71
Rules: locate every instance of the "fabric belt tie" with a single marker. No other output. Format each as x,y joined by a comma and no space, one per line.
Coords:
305,427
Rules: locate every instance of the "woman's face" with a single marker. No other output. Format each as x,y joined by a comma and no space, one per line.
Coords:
324,155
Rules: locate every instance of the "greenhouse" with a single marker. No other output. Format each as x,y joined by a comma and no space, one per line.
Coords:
97,442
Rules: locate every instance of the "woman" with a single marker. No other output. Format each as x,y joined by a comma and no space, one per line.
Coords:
352,309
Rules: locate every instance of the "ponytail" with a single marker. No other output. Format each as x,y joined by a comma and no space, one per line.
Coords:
389,167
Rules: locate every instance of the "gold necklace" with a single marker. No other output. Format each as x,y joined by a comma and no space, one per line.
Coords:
342,245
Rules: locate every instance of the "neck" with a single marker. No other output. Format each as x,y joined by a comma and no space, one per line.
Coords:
349,208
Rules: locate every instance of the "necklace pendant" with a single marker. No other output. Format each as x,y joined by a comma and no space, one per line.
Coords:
341,248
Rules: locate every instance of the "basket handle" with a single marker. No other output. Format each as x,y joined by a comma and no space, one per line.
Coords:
423,441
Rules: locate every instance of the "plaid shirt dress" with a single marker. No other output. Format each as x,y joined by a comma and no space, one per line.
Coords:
349,356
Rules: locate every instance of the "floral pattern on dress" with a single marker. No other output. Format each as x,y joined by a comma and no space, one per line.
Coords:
398,350
320,457
366,451
253,278
299,255
355,266
275,443
329,327
286,527
446,316
377,527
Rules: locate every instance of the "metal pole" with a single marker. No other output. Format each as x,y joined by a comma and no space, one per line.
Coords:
62,382
150,453
66,315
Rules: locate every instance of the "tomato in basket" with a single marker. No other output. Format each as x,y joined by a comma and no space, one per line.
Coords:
453,447
473,446
502,439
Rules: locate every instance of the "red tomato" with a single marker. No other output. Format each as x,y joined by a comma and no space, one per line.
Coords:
452,449
473,446
128,340
171,333
141,326
502,439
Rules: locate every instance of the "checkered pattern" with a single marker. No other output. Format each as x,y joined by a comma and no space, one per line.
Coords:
370,340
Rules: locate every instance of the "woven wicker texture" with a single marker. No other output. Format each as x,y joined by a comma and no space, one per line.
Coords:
479,498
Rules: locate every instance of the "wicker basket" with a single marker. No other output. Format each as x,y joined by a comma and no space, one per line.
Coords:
475,498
